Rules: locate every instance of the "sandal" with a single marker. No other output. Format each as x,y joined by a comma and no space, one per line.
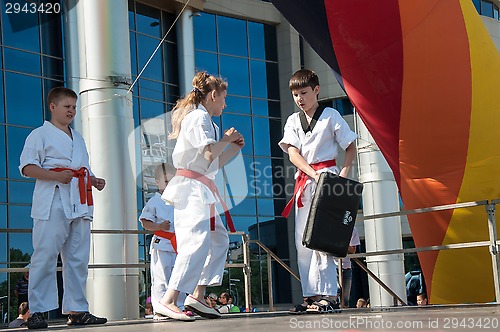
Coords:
301,308
323,306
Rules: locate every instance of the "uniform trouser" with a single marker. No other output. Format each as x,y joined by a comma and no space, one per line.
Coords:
70,238
162,263
317,270
201,253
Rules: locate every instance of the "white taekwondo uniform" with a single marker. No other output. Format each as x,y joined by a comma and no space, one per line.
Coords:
201,253
317,270
61,224
161,249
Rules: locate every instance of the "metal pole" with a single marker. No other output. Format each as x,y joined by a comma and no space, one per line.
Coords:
270,283
246,272
495,258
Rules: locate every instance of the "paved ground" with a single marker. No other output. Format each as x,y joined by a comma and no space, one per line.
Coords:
431,318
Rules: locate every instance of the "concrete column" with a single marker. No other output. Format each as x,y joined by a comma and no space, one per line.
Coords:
107,122
380,195
185,49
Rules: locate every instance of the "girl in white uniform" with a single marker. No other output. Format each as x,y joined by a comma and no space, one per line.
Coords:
312,138
159,217
201,252
56,156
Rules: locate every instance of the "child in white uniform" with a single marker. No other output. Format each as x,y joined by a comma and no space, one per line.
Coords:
312,138
202,240
159,217
56,156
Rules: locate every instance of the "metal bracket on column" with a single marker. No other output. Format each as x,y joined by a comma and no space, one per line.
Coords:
495,259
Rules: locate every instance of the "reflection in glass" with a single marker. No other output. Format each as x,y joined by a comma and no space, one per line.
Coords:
151,89
3,210
20,216
3,191
22,62
19,109
237,105
235,70
15,143
206,62
256,40
20,192
206,40
148,20
232,36
133,55
3,156
151,109
262,146
259,78
244,125
265,207
21,31
145,47
246,207
21,241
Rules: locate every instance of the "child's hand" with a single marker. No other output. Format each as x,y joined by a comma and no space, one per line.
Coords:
64,176
240,142
164,226
98,183
232,135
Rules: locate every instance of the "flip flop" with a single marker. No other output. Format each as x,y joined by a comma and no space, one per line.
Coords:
323,306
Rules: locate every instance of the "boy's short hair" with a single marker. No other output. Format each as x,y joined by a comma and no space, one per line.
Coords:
164,169
23,308
423,295
303,78
58,93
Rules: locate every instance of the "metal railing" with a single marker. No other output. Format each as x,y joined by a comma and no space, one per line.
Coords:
492,243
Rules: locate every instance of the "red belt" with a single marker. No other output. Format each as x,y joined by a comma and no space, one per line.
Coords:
211,185
169,236
85,189
300,184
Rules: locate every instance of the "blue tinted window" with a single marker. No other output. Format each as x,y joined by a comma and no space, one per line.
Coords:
20,216
259,78
486,8
477,4
133,54
207,62
3,191
22,61
21,192
15,143
265,207
260,107
206,40
2,111
53,68
21,241
246,207
21,31
256,40
3,215
235,70
250,174
244,125
264,176
146,47
151,109
273,84
21,110
262,145
131,15
232,36
150,89
148,20
237,105
3,166
242,224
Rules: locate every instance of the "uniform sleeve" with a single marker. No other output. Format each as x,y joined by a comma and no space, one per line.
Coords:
343,134
290,135
148,212
33,152
200,132
354,238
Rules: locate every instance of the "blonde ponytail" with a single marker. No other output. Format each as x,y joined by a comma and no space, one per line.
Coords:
203,84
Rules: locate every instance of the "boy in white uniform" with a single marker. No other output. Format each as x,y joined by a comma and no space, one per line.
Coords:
56,156
312,138
159,217
202,240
